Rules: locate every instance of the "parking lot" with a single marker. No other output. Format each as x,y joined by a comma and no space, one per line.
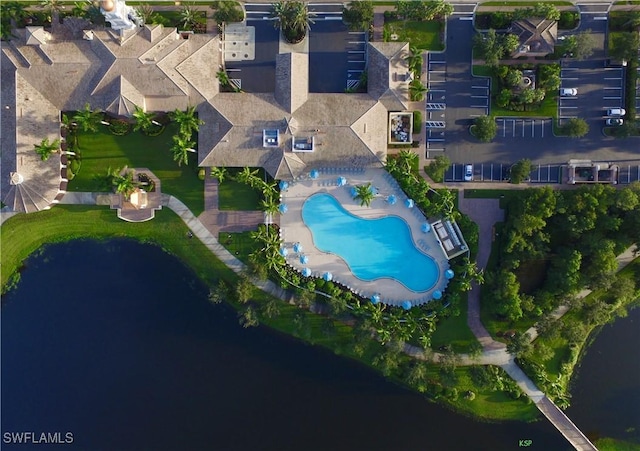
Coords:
523,128
497,172
436,105
599,89
336,55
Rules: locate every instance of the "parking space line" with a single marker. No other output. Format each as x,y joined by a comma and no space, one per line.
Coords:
572,78
612,98
533,132
478,106
569,107
542,128
514,128
359,61
479,97
613,78
614,88
523,128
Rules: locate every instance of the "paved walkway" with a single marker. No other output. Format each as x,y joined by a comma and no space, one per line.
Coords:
217,221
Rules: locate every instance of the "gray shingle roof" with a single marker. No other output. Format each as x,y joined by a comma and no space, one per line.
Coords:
386,69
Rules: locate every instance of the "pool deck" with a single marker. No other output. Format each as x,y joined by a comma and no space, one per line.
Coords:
293,230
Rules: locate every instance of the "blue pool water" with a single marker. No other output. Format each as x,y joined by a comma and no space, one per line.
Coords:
373,248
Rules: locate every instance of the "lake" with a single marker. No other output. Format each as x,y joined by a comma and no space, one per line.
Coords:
116,343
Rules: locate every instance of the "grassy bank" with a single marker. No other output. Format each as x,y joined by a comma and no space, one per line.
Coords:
23,235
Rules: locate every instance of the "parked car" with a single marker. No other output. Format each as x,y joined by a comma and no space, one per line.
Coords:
468,173
568,92
613,112
614,121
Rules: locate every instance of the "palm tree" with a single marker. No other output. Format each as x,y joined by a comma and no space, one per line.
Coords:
219,172
417,91
123,183
187,120
144,120
188,17
293,18
223,78
249,177
407,160
445,202
414,60
145,12
470,268
181,148
87,120
51,6
269,206
45,148
364,194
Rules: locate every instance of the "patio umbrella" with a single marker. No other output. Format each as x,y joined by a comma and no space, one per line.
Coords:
284,252
304,259
407,305
283,208
354,191
392,199
314,174
297,247
283,185
341,181
375,299
437,294
409,203
306,272
327,276
426,227
449,273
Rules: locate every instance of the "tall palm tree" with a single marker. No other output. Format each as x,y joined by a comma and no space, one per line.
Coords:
417,91
219,172
293,18
188,17
45,148
445,202
249,177
145,12
364,194
407,160
187,120
144,120
181,148
414,60
269,206
88,119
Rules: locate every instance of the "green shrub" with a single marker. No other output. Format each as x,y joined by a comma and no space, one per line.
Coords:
568,20
417,122
119,127
201,174
74,165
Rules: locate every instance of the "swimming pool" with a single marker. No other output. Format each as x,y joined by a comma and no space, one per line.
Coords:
372,248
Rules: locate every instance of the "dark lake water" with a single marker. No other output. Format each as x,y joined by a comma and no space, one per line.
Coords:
116,343
606,391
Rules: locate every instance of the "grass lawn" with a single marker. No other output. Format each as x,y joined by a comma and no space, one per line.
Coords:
424,35
238,243
454,331
548,108
493,405
237,196
25,234
104,150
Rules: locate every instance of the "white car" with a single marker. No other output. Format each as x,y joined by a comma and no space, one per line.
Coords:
568,92
614,121
613,112
468,173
